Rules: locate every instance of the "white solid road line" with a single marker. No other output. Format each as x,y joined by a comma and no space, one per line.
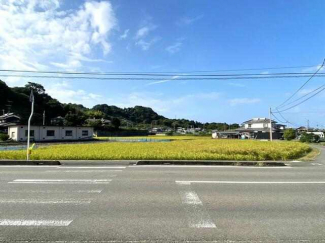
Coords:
50,191
54,181
9,222
34,201
62,167
197,216
90,167
210,166
28,166
82,171
249,182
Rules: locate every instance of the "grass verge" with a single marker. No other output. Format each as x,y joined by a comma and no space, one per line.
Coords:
311,156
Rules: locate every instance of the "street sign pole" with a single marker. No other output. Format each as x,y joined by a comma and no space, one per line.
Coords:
31,99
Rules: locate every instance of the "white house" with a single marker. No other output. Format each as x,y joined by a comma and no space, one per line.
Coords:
50,133
259,128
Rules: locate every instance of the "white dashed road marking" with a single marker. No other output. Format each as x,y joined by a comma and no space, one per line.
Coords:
83,171
198,217
209,166
50,191
67,181
249,182
9,222
34,201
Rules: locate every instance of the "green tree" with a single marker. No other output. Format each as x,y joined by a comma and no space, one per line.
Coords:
116,123
289,134
95,114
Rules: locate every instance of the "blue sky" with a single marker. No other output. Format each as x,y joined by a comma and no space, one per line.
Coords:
170,36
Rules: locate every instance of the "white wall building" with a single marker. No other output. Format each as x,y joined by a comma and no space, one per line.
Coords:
50,133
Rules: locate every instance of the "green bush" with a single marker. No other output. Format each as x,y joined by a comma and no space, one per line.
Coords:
289,134
4,137
309,138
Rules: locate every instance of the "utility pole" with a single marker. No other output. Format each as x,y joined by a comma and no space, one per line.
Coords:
307,125
31,99
271,138
44,118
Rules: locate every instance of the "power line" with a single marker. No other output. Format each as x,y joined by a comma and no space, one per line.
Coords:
277,118
302,101
160,79
153,74
292,102
166,72
286,119
302,85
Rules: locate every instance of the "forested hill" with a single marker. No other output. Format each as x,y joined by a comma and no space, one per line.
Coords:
16,100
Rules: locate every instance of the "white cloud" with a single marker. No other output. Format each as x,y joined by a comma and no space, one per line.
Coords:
34,33
241,101
145,45
176,47
159,103
240,85
313,69
265,72
141,37
188,20
65,93
142,32
163,81
125,34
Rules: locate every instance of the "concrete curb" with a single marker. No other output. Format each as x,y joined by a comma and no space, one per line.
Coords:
97,162
216,163
140,162
30,162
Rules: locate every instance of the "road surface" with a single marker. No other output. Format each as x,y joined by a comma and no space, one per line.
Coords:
162,203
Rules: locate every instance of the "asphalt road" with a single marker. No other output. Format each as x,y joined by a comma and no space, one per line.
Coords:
162,203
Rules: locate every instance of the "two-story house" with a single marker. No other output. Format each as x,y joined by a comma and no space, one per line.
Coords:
259,128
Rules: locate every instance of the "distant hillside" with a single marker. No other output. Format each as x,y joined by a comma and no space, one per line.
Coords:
16,100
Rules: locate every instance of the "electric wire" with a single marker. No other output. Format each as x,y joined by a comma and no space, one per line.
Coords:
303,101
282,104
158,79
166,72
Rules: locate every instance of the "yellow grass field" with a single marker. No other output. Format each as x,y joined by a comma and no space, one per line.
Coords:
197,148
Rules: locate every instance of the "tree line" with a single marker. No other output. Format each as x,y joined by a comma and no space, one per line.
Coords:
16,100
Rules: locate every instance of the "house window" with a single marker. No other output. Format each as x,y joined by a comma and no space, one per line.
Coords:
84,133
50,133
31,133
13,135
265,125
68,133
249,125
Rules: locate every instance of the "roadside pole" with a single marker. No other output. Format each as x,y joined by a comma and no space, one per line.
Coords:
271,138
31,99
